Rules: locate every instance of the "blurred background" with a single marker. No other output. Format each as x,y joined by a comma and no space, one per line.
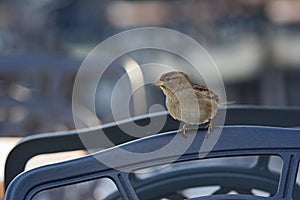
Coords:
255,44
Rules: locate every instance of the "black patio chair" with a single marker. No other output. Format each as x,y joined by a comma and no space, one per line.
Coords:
234,141
68,141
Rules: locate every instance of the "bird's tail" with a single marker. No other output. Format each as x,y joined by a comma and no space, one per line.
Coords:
227,103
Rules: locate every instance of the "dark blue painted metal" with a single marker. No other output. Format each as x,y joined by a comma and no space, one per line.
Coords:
235,140
68,141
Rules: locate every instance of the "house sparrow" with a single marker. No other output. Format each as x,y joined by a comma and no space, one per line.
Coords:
187,101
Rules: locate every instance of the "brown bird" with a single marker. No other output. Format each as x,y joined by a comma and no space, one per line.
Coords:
187,101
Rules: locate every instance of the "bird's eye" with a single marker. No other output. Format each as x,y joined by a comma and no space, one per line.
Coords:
167,79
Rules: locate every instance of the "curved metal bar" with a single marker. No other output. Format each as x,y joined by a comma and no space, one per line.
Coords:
227,177
233,197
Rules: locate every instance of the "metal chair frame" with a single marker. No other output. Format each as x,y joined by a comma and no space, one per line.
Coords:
58,142
260,141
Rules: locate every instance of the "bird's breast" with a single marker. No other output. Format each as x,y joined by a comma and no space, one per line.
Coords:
190,108
173,106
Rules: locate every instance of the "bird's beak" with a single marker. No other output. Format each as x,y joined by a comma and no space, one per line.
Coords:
158,83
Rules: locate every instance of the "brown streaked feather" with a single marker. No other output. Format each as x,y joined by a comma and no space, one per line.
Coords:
206,92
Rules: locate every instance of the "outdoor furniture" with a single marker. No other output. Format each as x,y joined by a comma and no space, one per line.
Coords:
234,141
239,115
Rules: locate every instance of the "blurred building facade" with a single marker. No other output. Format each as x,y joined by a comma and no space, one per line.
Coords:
42,43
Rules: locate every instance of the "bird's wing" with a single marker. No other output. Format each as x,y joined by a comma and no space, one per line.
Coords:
206,92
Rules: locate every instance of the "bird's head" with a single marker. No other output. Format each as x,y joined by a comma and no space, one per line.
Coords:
173,81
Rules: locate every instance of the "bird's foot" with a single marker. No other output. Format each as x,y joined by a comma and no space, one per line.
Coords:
184,129
209,128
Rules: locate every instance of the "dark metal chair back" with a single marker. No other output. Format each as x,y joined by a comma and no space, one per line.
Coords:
234,141
70,140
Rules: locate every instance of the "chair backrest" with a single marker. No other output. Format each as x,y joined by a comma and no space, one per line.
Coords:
234,140
68,141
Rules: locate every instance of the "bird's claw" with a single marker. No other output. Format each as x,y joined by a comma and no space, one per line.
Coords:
184,128
209,127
